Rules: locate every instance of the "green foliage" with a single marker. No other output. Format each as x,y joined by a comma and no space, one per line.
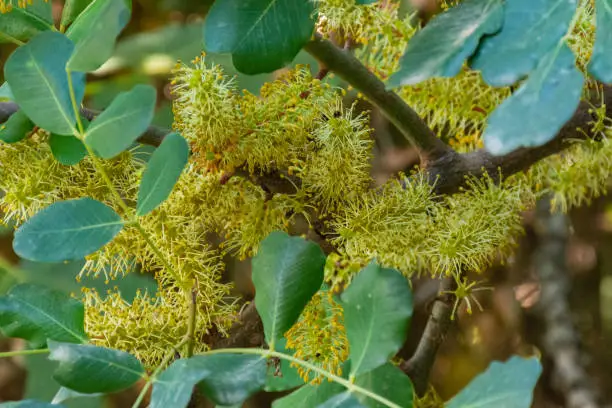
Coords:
309,396
94,33
36,73
287,272
377,308
343,400
24,23
71,10
28,404
442,46
37,313
387,380
555,86
261,35
288,376
67,230
67,150
5,92
600,65
16,128
163,171
128,116
502,383
90,369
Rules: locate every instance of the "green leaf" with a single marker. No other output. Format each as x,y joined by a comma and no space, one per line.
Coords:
29,404
72,8
90,369
162,172
508,384
95,31
288,376
364,2
543,103
377,309
67,230
443,45
127,117
344,400
16,127
600,65
37,313
68,150
388,381
531,29
309,395
36,73
287,272
226,379
5,93
24,23
261,35
66,394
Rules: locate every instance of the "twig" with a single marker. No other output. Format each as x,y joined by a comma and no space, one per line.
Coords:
561,339
419,366
349,68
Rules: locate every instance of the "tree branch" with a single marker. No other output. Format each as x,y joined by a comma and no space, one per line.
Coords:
349,68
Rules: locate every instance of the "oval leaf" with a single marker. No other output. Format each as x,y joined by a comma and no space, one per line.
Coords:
261,35
16,127
72,8
89,369
127,117
68,150
543,103
36,313
287,272
508,384
225,378
36,73
309,395
344,400
95,31
600,65
388,381
525,38
440,49
24,23
163,171
67,230
377,309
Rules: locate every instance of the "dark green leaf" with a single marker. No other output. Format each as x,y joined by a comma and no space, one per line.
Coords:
600,65
29,404
543,103
127,117
36,73
68,150
443,45
225,379
288,376
67,230
389,382
162,173
236,377
531,29
508,384
37,313
5,93
309,395
261,35
24,23
287,272
377,309
363,2
16,128
95,31
90,369
72,8
344,400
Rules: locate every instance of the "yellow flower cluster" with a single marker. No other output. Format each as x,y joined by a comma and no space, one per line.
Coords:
7,5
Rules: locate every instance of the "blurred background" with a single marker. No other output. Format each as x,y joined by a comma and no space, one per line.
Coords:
162,32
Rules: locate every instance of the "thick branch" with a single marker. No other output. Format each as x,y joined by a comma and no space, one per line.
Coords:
344,64
419,366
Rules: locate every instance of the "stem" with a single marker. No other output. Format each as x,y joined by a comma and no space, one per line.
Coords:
408,122
11,39
191,323
81,130
23,353
347,384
